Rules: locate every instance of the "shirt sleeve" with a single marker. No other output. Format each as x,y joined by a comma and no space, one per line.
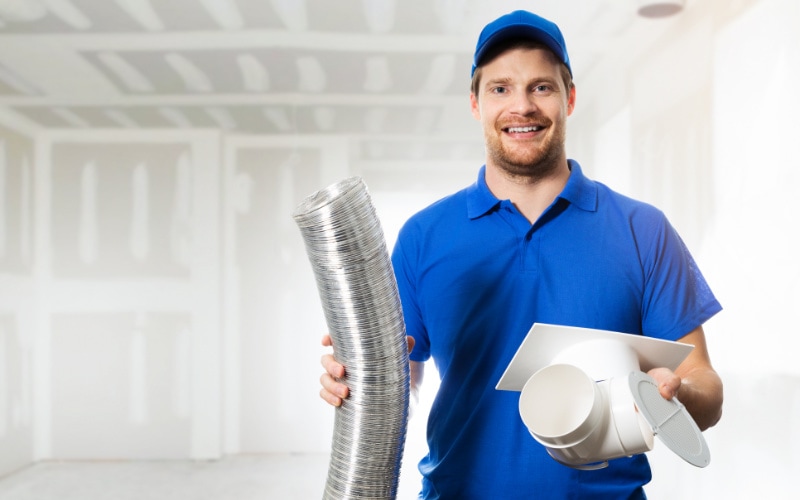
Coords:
404,271
677,298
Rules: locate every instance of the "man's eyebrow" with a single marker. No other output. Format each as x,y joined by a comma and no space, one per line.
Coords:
507,80
495,81
545,79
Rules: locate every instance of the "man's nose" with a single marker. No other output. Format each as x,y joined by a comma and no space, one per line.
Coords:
524,103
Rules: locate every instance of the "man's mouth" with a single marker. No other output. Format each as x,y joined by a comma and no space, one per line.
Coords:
523,130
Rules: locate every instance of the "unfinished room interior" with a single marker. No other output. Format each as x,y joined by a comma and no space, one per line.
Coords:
160,323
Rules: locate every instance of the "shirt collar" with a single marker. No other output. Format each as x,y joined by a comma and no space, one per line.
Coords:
579,191
479,199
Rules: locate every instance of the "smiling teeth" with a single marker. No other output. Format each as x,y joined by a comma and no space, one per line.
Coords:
523,129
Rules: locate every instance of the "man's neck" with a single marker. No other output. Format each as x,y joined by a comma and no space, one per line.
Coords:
531,196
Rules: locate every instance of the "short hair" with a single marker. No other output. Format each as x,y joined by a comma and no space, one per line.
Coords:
517,43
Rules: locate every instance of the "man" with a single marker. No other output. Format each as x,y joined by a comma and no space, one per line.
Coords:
534,240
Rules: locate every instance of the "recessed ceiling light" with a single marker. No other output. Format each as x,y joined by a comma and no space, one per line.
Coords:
659,8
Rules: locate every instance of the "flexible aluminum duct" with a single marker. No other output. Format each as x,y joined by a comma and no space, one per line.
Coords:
347,250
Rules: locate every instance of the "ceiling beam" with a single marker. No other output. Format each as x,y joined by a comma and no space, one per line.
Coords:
205,40
244,99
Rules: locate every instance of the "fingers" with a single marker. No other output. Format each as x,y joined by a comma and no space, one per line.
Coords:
668,383
332,367
333,391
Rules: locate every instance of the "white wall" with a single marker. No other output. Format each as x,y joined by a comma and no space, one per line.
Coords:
273,317
17,294
127,277
704,128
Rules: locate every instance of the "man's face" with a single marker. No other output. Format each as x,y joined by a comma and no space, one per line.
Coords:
523,105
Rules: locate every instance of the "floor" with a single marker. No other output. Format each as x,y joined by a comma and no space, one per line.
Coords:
291,476
262,477
755,453
303,476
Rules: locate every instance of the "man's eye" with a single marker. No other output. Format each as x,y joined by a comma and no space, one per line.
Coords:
542,88
499,90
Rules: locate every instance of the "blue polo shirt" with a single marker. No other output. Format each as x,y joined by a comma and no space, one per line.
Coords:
474,274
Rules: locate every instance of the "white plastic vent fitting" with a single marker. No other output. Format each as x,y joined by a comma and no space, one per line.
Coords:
584,396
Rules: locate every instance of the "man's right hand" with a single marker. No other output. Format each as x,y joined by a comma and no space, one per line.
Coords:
333,391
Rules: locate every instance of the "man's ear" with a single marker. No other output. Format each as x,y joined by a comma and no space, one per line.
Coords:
474,107
571,101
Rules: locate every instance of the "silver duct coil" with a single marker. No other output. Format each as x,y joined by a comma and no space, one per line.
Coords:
345,244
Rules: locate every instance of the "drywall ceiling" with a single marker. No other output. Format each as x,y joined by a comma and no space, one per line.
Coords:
367,69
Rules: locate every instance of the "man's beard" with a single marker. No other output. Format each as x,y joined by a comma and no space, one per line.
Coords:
531,163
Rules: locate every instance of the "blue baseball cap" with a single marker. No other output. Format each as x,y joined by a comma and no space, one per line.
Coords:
521,24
